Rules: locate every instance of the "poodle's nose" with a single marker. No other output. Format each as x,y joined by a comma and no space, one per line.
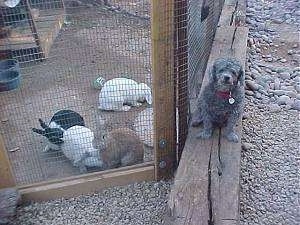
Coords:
227,77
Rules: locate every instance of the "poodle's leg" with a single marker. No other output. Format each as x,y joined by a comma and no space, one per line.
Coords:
207,129
229,129
197,118
82,168
47,148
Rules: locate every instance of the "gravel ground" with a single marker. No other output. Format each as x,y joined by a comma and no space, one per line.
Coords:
270,155
142,203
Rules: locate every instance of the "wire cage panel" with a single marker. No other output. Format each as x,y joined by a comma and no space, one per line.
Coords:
203,20
84,55
95,43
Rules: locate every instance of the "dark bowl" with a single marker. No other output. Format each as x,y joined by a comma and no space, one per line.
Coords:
9,65
9,80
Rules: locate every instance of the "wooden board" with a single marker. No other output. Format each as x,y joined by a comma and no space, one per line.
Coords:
197,175
162,30
88,183
6,174
227,12
206,186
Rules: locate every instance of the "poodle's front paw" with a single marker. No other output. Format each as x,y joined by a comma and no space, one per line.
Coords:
196,122
47,149
82,169
232,137
205,134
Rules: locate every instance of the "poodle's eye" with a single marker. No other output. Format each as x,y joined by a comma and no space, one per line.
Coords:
221,70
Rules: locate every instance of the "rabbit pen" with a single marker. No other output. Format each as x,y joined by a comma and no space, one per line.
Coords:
98,42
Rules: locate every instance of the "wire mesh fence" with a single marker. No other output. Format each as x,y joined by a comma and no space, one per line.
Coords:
203,21
195,25
84,103
80,56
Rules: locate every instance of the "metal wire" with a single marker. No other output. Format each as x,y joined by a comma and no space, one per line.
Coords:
203,20
80,41
64,46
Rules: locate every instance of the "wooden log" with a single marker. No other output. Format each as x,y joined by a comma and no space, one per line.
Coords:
6,174
206,187
9,198
162,30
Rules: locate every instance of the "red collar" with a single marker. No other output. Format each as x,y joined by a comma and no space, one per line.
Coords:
224,94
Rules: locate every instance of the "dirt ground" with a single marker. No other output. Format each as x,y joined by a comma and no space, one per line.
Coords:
94,41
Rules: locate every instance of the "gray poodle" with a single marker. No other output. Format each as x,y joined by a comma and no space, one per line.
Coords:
222,100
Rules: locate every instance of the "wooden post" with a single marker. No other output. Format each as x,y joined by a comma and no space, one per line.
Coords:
162,27
6,174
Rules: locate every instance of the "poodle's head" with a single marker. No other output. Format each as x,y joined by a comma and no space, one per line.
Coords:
227,74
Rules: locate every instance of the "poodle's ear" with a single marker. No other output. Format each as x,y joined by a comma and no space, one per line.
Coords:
213,72
241,76
43,124
38,131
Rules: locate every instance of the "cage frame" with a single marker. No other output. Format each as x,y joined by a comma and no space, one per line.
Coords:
165,162
42,42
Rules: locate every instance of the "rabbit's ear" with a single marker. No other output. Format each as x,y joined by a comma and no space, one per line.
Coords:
43,124
38,131
148,97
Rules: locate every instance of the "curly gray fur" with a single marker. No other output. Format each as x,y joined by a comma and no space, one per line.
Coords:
226,76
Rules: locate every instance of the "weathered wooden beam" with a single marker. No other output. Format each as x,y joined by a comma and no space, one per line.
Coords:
162,36
6,174
87,183
206,186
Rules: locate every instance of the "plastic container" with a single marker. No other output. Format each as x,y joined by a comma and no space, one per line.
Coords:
9,64
9,80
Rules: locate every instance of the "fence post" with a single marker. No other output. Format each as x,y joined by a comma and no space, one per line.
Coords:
162,31
6,174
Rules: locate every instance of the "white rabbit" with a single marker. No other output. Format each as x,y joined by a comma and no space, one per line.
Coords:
78,147
119,94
